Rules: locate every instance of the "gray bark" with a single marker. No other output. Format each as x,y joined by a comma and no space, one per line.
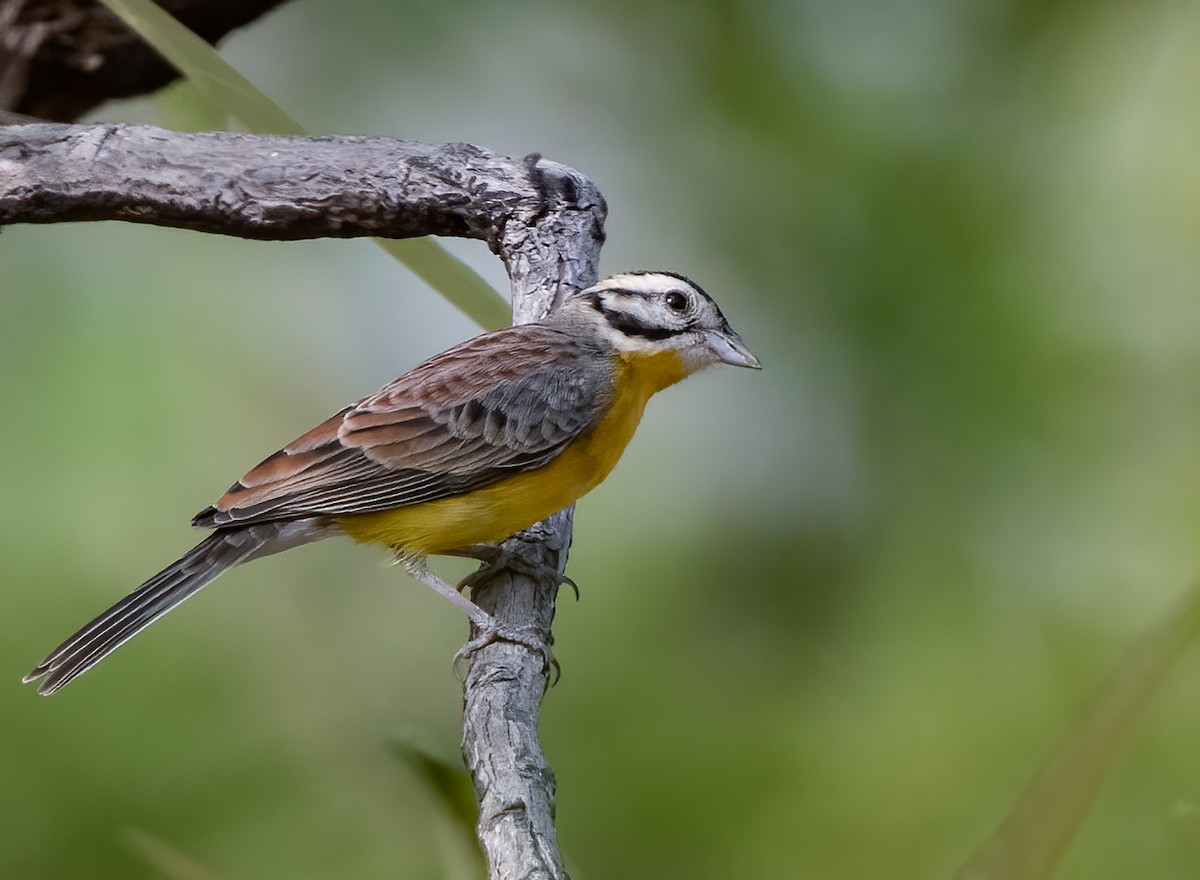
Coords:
544,220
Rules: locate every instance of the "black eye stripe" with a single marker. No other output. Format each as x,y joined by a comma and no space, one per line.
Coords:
625,323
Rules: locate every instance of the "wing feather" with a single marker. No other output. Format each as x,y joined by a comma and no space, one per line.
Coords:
493,406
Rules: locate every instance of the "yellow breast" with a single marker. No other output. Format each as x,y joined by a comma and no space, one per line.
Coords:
504,508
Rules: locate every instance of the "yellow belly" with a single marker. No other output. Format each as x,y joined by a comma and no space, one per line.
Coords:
504,508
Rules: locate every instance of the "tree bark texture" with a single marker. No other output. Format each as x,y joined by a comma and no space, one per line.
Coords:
61,58
546,223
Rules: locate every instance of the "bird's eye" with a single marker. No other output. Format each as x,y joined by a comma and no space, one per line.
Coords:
676,301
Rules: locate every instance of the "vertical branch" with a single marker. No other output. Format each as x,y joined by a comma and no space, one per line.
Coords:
502,695
554,247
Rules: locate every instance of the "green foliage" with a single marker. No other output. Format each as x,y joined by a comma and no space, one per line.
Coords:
1034,837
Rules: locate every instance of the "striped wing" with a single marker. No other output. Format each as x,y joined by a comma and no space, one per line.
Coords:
491,407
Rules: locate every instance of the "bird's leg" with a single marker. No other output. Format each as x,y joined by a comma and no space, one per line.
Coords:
499,556
488,630
420,571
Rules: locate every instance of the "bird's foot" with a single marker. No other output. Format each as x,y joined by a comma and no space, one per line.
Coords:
497,557
493,632
487,630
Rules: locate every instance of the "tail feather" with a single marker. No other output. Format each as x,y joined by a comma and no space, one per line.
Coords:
163,592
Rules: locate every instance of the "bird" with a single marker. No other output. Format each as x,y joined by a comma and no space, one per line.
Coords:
465,450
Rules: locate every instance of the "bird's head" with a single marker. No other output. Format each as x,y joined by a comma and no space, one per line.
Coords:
650,313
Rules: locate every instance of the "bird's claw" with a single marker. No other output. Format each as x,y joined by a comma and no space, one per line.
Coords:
495,559
493,632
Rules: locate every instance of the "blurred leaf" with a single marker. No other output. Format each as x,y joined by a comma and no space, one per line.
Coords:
453,278
1036,834
450,785
164,857
215,78
226,88
183,107
451,788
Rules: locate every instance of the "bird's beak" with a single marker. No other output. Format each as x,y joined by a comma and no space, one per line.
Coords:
729,349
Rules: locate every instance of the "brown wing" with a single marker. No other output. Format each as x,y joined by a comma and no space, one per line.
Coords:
493,406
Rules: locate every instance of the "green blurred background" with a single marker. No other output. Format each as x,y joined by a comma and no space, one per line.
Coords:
834,615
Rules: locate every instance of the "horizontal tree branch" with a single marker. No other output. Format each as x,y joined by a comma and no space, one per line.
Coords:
544,220
278,188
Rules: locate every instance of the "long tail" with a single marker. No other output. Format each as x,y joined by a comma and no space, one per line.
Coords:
166,590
